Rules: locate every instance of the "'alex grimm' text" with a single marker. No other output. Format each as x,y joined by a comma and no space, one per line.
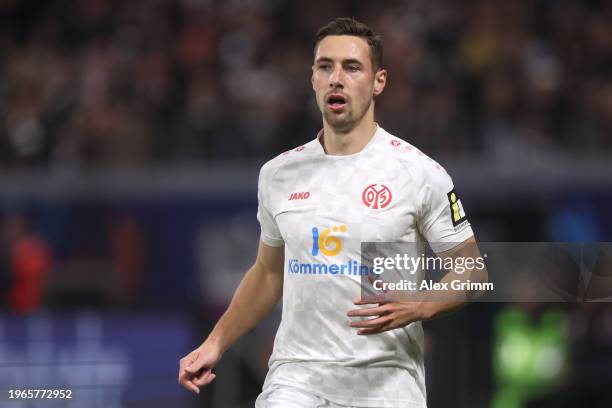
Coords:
456,284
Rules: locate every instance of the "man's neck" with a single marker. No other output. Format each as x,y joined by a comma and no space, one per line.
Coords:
341,144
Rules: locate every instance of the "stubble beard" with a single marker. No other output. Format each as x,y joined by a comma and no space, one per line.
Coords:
346,121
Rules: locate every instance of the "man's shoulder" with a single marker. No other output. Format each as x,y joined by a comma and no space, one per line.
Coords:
407,154
290,158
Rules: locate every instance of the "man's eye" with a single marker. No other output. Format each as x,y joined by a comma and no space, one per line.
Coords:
325,67
353,68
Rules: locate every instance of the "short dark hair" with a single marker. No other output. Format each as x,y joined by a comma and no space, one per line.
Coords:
350,26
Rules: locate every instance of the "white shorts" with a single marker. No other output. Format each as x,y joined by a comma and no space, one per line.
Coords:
284,396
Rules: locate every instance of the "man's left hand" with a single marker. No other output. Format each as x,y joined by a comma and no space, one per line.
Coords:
388,315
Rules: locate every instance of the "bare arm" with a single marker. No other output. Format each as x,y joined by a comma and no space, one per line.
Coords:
468,249
257,294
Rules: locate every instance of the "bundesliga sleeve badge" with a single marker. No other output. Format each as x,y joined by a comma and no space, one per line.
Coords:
456,208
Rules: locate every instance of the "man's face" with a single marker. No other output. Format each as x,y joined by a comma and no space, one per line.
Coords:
344,80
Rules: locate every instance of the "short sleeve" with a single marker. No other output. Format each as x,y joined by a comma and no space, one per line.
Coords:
270,234
442,220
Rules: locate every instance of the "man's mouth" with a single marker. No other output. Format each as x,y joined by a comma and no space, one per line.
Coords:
336,102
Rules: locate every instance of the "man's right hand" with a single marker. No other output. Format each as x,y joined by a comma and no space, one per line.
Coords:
258,292
195,369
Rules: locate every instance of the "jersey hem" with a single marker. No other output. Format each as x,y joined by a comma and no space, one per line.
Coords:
271,241
457,239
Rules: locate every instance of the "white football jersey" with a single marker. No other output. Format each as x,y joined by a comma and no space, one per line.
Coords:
321,207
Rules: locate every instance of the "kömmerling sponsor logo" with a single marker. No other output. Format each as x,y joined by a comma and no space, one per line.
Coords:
349,268
327,243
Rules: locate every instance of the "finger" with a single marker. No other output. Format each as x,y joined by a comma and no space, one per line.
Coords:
370,311
400,296
371,323
205,379
192,387
183,375
194,367
370,300
375,330
202,380
189,361
187,383
369,332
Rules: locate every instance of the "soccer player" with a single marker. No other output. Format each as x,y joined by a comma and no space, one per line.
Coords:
354,183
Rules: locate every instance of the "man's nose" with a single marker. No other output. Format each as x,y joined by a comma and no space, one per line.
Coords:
336,78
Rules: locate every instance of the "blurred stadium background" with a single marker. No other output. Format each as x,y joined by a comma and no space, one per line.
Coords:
131,134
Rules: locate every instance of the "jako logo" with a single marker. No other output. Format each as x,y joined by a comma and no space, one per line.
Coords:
299,196
329,245
376,196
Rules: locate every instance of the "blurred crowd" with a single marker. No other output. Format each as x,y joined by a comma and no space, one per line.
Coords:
109,82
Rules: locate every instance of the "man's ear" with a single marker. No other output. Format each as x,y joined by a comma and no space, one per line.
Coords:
312,78
380,80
